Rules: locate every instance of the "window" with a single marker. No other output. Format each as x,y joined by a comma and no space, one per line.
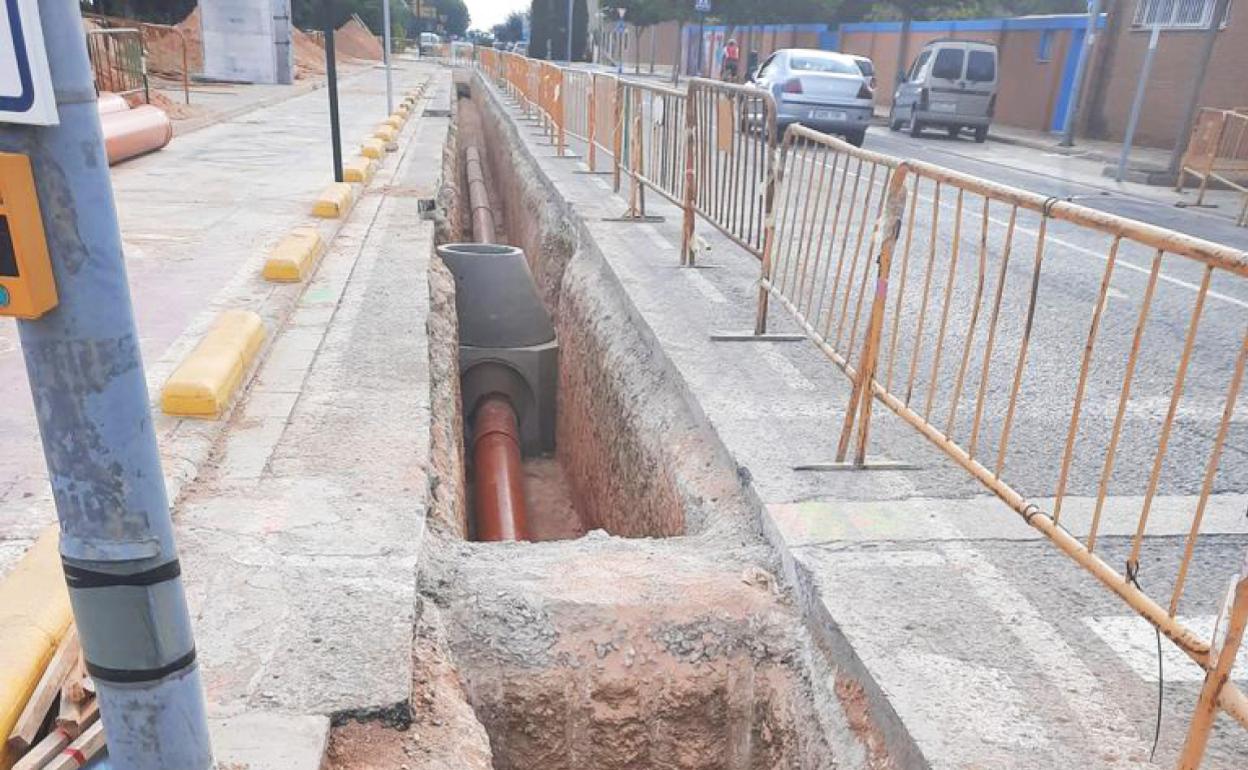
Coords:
981,67
948,64
832,64
1176,14
1044,48
918,65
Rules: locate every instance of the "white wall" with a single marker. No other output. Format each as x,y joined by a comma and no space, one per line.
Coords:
241,40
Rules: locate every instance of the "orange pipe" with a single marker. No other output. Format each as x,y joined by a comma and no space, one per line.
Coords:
110,102
134,132
499,477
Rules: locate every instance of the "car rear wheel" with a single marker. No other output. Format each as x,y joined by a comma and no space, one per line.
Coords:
981,134
893,123
856,138
915,128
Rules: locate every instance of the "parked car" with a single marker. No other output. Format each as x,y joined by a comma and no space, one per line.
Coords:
952,84
868,68
823,90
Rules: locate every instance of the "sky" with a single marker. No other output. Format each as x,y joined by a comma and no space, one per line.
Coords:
487,13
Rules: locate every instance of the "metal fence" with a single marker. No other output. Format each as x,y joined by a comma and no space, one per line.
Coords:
929,289
1218,151
119,61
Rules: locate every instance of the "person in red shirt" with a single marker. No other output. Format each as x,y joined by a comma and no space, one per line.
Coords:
732,59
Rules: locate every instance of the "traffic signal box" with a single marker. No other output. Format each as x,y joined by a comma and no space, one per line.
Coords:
27,289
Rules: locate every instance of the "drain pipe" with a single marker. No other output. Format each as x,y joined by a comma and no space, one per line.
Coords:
479,198
498,473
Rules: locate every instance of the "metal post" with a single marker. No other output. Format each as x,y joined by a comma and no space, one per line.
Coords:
1137,104
1210,37
385,20
331,70
570,30
90,393
701,41
1081,66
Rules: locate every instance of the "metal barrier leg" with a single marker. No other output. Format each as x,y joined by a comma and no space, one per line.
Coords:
636,211
1216,678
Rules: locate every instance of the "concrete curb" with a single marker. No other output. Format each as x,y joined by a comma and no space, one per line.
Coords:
208,378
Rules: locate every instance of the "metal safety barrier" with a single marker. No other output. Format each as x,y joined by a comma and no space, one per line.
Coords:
1218,151
945,297
119,61
731,162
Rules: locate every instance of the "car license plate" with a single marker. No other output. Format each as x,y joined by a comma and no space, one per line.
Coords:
828,115
944,107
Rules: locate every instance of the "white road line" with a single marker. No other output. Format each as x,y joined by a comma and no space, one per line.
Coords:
1072,679
1083,250
1134,640
783,366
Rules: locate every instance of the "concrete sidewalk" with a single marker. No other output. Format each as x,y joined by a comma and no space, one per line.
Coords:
978,643
196,220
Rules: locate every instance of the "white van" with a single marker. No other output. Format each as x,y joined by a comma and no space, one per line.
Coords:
952,84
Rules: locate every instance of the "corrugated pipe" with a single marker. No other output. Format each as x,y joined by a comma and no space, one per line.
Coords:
498,473
135,132
479,198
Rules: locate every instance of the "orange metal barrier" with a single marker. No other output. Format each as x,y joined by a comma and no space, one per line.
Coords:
118,61
149,30
652,141
731,162
1218,150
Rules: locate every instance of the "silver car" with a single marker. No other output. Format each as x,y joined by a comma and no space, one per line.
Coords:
822,90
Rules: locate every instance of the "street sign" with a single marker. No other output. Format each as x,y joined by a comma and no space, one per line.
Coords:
25,82
702,6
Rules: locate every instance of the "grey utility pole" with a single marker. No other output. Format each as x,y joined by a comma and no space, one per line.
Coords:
385,20
1081,68
1137,104
570,31
1210,37
90,397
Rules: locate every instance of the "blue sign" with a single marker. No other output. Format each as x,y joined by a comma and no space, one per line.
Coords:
25,80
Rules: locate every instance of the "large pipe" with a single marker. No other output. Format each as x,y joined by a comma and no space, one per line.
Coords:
134,132
499,476
479,198
110,102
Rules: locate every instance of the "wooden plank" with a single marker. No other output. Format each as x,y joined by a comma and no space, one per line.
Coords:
82,750
41,700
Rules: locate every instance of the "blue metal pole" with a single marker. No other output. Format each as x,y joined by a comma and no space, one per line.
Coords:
90,395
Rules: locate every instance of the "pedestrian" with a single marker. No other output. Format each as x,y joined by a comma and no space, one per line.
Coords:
732,60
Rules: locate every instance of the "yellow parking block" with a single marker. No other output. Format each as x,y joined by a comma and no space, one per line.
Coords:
333,202
404,110
385,133
205,381
34,615
359,170
373,148
293,257
395,121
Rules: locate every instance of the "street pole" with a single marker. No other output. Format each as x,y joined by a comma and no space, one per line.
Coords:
701,41
570,31
1081,67
1137,104
385,20
90,393
331,71
1193,93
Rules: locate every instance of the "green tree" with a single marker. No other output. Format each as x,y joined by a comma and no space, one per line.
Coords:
512,28
543,21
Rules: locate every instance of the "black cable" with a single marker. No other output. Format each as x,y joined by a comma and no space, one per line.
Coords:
1133,572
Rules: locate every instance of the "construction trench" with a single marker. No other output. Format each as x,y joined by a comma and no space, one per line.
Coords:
631,615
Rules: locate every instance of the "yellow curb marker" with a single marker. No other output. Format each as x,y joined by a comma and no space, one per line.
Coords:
359,170
373,148
292,258
34,615
394,121
334,201
205,381
385,133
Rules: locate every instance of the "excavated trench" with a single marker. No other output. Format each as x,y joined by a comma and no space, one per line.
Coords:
643,625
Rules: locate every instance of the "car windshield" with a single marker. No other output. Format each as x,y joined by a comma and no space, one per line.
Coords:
866,66
808,63
981,67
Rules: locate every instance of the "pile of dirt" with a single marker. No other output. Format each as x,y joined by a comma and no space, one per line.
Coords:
354,40
309,54
164,47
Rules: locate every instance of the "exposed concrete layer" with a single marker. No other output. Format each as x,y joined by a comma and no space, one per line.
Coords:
968,651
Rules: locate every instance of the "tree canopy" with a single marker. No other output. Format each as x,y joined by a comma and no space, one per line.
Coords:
512,28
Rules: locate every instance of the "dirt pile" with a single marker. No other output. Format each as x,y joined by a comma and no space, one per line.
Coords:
164,47
354,40
309,54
